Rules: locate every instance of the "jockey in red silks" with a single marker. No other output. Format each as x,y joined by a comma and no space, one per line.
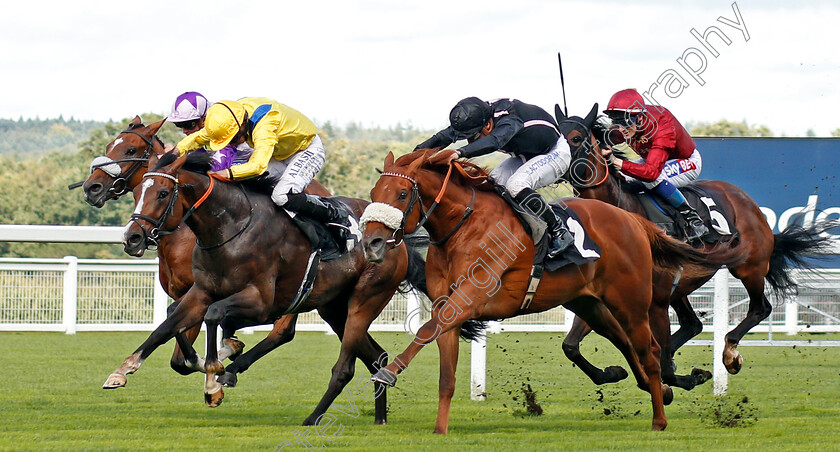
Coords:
669,157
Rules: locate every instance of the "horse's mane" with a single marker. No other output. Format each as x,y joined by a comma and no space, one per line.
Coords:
477,175
198,162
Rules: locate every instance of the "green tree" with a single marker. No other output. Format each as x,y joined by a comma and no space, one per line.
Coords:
724,128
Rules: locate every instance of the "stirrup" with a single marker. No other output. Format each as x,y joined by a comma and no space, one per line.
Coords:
559,243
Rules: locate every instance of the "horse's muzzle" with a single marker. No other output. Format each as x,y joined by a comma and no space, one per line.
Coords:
375,248
134,244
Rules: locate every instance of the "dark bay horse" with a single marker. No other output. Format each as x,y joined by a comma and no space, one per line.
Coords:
764,256
479,267
249,262
120,170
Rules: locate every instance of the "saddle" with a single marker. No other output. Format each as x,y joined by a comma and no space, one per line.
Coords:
582,251
721,228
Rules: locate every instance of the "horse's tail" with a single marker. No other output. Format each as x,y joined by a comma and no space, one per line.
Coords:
670,254
790,250
416,279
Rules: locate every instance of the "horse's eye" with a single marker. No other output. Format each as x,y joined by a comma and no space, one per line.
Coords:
163,194
403,195
131,151
577,140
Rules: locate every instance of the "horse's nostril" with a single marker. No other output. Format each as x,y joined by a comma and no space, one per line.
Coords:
134,239
95,189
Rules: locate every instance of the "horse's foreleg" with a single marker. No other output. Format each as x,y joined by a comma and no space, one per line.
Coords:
342,371
571,347
188,313
283,332
243,304
448,348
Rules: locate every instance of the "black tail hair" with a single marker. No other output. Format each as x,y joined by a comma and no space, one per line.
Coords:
471,330
790,250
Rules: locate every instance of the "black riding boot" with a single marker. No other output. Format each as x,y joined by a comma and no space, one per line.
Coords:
560,237
695,228
313,207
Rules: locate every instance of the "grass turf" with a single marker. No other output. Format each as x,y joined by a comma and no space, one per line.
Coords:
785,398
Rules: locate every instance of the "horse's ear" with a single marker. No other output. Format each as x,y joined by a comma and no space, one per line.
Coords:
590,118
156,126
558,114
421,159
137,121
389,160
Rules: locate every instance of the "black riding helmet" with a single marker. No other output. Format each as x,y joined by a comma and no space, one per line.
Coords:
469,116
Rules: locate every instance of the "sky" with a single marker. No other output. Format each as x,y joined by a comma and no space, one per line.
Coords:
383,63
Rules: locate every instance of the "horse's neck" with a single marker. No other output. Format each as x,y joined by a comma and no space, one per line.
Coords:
449,212
611,191
225,211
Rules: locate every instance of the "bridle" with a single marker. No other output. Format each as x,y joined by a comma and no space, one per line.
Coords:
582,153
415,197
120,185
152,237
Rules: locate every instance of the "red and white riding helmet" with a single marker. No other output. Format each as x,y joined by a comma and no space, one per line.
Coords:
625,106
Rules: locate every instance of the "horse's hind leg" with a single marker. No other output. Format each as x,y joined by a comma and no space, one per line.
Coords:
571,347
660,324
283,332
639,349
690,324
759,309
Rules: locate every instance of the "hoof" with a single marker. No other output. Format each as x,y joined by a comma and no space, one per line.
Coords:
701,375
385,377
614,374
308,421
228,379
215,399
667,395
114,381
235,347
735,366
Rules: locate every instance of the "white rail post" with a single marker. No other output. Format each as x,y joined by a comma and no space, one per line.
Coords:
159,301
478,368
721,324
568,319
791,317
70,294
412,312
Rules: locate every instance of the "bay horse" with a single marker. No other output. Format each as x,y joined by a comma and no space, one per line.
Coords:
480,265
764,256
118,172
249,262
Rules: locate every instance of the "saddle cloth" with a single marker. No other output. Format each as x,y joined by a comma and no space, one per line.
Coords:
721,228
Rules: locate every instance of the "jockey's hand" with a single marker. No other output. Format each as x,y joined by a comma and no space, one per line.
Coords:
604,121
223,173
445,157
611,158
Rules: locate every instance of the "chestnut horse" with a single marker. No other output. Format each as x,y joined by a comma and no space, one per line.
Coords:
118,172
764,256
249,262
480,267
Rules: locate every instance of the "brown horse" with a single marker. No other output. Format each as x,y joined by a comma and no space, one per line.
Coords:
480,265
249,262
763,255
119,171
